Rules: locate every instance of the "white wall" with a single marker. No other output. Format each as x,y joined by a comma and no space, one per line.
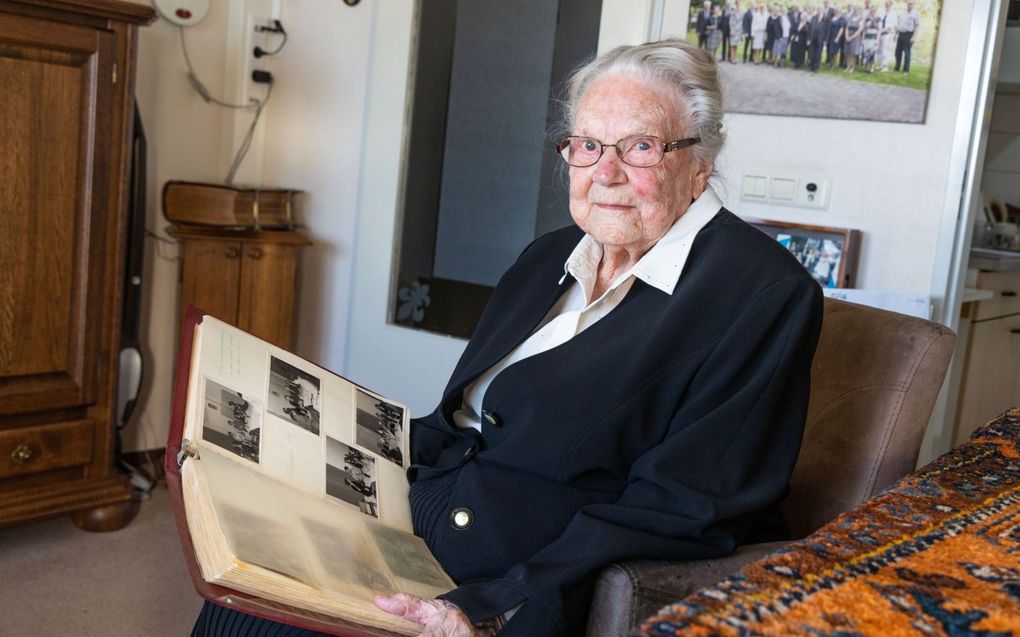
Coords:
314,142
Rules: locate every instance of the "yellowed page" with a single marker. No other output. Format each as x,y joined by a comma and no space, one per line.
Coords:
215,553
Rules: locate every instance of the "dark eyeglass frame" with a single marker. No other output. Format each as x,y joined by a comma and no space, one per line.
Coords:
667,147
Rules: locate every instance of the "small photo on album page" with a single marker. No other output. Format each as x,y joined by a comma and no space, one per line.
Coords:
380,427
351,477
294,395
231,421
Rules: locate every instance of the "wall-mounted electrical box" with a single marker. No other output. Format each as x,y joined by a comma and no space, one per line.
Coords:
183,13
786,189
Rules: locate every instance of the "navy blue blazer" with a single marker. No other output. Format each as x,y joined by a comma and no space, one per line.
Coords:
666,430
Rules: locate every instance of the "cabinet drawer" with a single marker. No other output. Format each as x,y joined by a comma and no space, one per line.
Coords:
45,447
1006,286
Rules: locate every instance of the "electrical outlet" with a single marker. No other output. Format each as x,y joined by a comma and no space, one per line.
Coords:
813,192
256,37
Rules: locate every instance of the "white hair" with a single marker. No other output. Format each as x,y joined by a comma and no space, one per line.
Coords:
685,70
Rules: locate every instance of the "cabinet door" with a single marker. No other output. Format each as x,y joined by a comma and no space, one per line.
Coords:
991,382
268,279
55,108
209,277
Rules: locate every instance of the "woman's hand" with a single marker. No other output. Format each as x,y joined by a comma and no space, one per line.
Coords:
438,617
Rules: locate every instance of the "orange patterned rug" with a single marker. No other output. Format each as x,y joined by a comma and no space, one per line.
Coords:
938,553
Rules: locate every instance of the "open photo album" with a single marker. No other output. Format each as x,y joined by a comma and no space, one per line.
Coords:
289,486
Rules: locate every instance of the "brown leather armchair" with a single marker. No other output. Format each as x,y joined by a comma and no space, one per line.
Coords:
874,381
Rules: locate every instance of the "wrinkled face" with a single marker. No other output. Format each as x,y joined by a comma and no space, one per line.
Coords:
625,206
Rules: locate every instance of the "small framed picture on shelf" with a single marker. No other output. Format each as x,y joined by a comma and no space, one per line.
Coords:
828,254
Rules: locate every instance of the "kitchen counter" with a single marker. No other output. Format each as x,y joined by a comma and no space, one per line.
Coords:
994,260
970,295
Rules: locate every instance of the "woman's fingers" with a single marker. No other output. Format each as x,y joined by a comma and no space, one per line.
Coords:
449,621
406,605
437,617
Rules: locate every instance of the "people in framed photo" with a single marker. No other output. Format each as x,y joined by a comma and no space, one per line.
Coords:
868,60
828,254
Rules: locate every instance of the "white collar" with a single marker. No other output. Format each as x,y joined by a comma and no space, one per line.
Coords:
662,265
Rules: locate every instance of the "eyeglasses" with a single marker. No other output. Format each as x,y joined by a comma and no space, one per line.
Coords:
640,151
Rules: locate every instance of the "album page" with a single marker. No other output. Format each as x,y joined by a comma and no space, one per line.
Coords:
296,486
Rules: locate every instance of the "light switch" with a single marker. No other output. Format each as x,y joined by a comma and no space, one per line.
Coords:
783,189
755,186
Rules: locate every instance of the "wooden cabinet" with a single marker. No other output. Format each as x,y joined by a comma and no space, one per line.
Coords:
991,376
246,278
67,70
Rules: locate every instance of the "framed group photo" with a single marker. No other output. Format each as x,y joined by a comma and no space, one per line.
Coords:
862,59
828,254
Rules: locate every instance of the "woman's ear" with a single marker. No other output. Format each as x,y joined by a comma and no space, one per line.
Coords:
699,180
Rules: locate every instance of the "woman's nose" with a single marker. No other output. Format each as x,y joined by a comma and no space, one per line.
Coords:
609,168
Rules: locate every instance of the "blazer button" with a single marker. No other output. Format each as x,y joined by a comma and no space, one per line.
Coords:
492,418
461,518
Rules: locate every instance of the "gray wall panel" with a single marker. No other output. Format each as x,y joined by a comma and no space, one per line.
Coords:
492,161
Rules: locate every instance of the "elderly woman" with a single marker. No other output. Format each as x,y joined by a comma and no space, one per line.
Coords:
637,385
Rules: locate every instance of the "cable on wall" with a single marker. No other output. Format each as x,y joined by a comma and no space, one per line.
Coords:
278,29
242,150
254,105
203,91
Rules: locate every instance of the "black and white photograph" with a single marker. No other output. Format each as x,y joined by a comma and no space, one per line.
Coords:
231,421
351,477
380,427
294,395
822,58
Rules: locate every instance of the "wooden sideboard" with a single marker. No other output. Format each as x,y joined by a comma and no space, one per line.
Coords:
67,75
247,278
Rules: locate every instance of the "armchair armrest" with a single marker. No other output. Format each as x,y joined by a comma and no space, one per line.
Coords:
627,592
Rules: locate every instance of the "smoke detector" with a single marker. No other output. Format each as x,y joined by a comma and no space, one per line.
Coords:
183,13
